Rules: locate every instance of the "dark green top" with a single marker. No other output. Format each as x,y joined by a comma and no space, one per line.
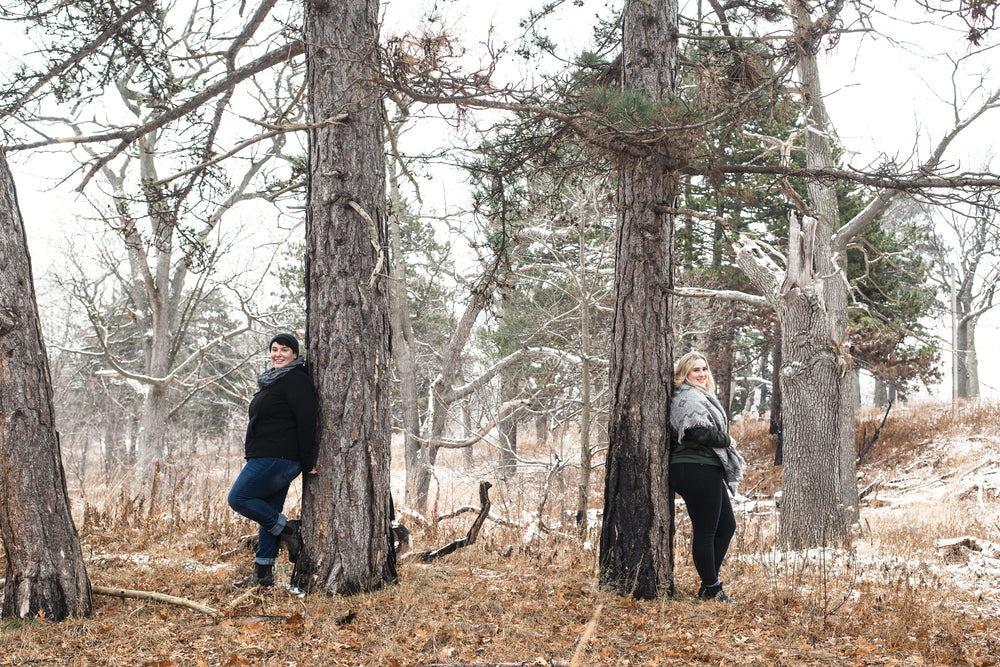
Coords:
696,446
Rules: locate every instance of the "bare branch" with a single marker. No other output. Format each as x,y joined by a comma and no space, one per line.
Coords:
111,31
722,295
127,136
279,130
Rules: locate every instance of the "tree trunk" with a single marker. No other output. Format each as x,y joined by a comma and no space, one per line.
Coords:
961,358
636,555
151,445
775,425
402,344
720,348
586,463
346,507
815,387
971,359
542,425
442,396
881,393
508,444
468,458
45,573
819,483
417,493
830,261
817,398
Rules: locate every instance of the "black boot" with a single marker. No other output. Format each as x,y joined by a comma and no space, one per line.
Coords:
291,537
713,593
262,576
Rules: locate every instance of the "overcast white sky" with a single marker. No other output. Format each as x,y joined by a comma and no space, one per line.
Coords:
885,96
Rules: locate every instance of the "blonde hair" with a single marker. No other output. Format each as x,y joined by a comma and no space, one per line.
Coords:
684,365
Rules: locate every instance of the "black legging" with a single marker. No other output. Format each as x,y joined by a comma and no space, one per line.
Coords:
712,522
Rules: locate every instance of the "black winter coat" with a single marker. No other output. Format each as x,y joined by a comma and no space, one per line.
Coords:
283,420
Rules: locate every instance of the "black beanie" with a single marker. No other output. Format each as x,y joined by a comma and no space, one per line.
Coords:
286,339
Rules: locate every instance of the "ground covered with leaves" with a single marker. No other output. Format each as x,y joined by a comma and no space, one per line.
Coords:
527,608
919,587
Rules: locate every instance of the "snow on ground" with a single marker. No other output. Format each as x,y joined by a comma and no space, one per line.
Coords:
931,520
927,522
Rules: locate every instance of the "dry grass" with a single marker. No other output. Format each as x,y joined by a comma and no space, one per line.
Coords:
510,599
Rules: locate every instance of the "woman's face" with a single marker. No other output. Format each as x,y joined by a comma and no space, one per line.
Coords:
698,375
281,355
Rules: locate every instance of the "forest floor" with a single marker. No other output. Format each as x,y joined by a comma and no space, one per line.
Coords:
921,585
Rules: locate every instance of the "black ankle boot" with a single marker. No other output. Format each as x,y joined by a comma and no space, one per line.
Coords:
713,593
291,537
262,575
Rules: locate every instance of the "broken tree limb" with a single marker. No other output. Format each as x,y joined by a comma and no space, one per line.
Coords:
157,597
470,538
588,632
455,512
867,444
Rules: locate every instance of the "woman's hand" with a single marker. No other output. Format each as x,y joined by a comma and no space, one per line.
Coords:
312,472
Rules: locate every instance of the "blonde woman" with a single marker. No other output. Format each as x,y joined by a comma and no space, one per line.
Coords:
702,464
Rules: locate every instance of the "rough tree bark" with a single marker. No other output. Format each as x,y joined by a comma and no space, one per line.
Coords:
507,427
402,337
810,298
966,364
774,428
346,506
45,573
816,396
586,457
820,501
636,555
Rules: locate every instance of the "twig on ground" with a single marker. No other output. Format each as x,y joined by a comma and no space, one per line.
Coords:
241,599
157,597
470,538
588,632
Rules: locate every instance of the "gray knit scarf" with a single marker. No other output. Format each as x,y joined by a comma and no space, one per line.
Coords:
272,375
692,407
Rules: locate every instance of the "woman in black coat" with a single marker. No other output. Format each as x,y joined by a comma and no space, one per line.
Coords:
280,443
702,463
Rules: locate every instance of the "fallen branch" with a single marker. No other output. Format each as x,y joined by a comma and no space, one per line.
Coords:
588,632
868,489
866,444
241,599
461,510
470,538
157,597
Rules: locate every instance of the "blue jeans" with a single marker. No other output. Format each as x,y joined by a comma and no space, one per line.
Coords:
259,494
